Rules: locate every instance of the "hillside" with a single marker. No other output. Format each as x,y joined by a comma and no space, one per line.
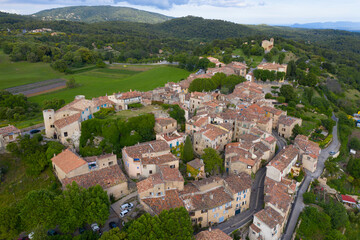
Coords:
92,14
348,26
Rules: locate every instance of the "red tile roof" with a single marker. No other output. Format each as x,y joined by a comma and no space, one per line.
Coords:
165,121
270,217
105,177
68,161
128,95
159,160
284,157
9,130
63,122
137,150
238,183
170,200
213,234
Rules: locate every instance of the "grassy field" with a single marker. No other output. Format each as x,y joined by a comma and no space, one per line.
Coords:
136,112
16,183
99,82
19,73
255,60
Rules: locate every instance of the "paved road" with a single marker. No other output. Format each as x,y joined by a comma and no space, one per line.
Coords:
256,198
298,205
281,142
256,204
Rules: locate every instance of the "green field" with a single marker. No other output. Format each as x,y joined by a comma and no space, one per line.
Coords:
99,82
16,183
18,73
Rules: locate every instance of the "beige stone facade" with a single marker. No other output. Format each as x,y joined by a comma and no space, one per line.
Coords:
287,124
165,125
8,134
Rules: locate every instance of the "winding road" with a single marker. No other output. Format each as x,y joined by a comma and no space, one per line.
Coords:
298,204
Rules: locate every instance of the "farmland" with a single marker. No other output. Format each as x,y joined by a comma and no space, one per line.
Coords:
116,78
19,73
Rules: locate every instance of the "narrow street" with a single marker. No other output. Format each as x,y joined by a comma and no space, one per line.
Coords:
298,204
256,204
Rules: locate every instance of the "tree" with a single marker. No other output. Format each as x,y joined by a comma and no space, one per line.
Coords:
114,234
338,214
281,58
188,152
354,143
39,208
10,222
291,70
268,96
212,160
297,130
172,224
288,92
71,83
309,197
53,103
353,167
100,63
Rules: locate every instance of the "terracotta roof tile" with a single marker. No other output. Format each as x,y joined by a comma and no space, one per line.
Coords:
238,183
9,130
196,163
284,157
164,121
63,122
213,234
270,217
159,160
169,200
68,161
138,150
105,177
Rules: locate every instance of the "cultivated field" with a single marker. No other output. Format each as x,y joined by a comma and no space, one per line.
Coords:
14,74
117,78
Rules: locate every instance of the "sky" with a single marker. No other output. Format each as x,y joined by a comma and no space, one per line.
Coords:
272,12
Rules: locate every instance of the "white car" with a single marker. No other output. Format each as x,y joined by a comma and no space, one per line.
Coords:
123,213
95,227
127,206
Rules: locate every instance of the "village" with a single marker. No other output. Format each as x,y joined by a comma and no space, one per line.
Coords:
247,130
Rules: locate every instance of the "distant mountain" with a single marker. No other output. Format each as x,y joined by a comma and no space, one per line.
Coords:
347,26
92,14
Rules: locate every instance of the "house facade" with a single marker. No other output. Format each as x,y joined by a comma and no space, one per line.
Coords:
287,124
8,134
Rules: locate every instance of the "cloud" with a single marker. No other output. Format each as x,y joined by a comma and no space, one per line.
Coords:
160,4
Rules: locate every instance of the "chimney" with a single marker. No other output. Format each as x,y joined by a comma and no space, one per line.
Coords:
211,196
209,229
246,156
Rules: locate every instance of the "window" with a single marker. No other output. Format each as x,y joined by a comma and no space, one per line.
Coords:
65,134
110,163
137,167
244,196
172,166
52,126
192,214
49,117
150,171
151,194
200,219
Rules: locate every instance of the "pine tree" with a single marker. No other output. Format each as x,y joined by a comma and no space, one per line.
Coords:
188,152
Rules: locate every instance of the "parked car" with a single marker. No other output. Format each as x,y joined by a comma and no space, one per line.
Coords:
332,153
82,230
95,227
112,225
126,206
123,213
34,131
52,232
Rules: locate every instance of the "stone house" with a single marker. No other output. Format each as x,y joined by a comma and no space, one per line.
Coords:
122,100
213,234
197,99
239,68
65,123
266,225
165,125
287,124
100,170
274,114
281,164
309,152
8,134
173,139
267,45
196,168
141,160
213,200
212,136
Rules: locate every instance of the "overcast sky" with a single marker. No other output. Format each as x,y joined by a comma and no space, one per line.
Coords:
239,11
